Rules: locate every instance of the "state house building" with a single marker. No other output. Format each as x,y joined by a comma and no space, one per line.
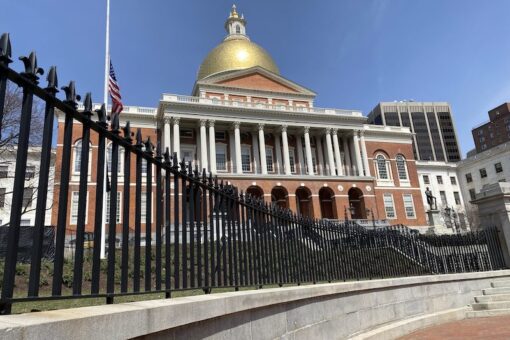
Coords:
257,130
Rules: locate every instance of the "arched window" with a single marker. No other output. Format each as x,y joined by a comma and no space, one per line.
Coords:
401,167
238,29
77,156
382,168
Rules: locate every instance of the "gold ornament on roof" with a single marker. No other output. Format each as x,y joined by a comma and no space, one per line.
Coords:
233,12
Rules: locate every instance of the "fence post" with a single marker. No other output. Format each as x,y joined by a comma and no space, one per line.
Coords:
31,72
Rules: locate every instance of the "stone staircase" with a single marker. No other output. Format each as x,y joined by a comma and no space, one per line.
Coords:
494,301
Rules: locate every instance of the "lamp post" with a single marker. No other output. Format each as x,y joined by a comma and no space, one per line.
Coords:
370,212
352,210
450,213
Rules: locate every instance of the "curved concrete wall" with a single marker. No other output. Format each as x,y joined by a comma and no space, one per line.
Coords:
327,311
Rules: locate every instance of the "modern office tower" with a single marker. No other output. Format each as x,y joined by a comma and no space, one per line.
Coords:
434,138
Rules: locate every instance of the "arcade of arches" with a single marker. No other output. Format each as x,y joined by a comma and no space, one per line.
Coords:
320,204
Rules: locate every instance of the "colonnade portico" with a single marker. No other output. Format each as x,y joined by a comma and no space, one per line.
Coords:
322,151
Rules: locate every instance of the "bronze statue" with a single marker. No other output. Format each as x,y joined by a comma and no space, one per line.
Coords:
431,200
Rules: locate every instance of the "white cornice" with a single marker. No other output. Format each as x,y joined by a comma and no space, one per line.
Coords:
223,113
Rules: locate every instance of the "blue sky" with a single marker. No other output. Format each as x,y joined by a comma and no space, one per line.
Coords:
354,54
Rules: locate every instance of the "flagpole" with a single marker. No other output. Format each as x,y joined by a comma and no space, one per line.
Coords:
106,75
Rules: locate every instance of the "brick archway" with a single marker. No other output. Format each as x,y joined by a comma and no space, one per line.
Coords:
280,196
304,202
327,203
357,204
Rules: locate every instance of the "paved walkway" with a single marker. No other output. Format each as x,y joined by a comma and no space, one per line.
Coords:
493,328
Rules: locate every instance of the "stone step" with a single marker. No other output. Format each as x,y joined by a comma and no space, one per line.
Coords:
499,290
491,305
490,298
487,313
498,284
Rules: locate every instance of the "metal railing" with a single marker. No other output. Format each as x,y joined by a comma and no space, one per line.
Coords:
257,105
205,234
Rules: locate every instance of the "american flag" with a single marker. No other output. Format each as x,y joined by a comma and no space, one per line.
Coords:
114,90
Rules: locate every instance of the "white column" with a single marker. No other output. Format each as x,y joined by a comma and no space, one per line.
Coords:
237,143
286,158
348,166
308,150
262,147
329,147
212,148
278,151
177,139
336,148
256,153
364,154
321,155
167,135
357,155
203,144
300,155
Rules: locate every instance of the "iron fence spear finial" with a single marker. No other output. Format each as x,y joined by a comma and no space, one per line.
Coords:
52,80
166,156
87,103
31,68
127,131
101,115
5,49
71,96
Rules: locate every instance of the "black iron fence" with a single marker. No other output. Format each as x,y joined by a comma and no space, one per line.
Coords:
204,235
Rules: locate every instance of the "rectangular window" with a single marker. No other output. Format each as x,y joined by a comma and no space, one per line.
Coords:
269,159
74,207
144,166
456,195
389,207
426,179
444,201
472,194
143,210
220,135
498,167
483,173
119,203
469,178
4,171
246,158
30,172
292,161
75,195
409,206
24,222
453,180
28,197
186,133
221,157
2,197
439,179
119,160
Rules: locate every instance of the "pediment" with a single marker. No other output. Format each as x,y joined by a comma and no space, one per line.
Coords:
256,78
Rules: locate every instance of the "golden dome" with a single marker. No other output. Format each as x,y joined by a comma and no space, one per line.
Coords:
236,54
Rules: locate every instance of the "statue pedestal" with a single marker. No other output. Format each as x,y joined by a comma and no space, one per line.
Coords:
434,217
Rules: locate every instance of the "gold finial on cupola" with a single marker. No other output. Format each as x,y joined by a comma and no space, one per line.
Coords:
233,12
